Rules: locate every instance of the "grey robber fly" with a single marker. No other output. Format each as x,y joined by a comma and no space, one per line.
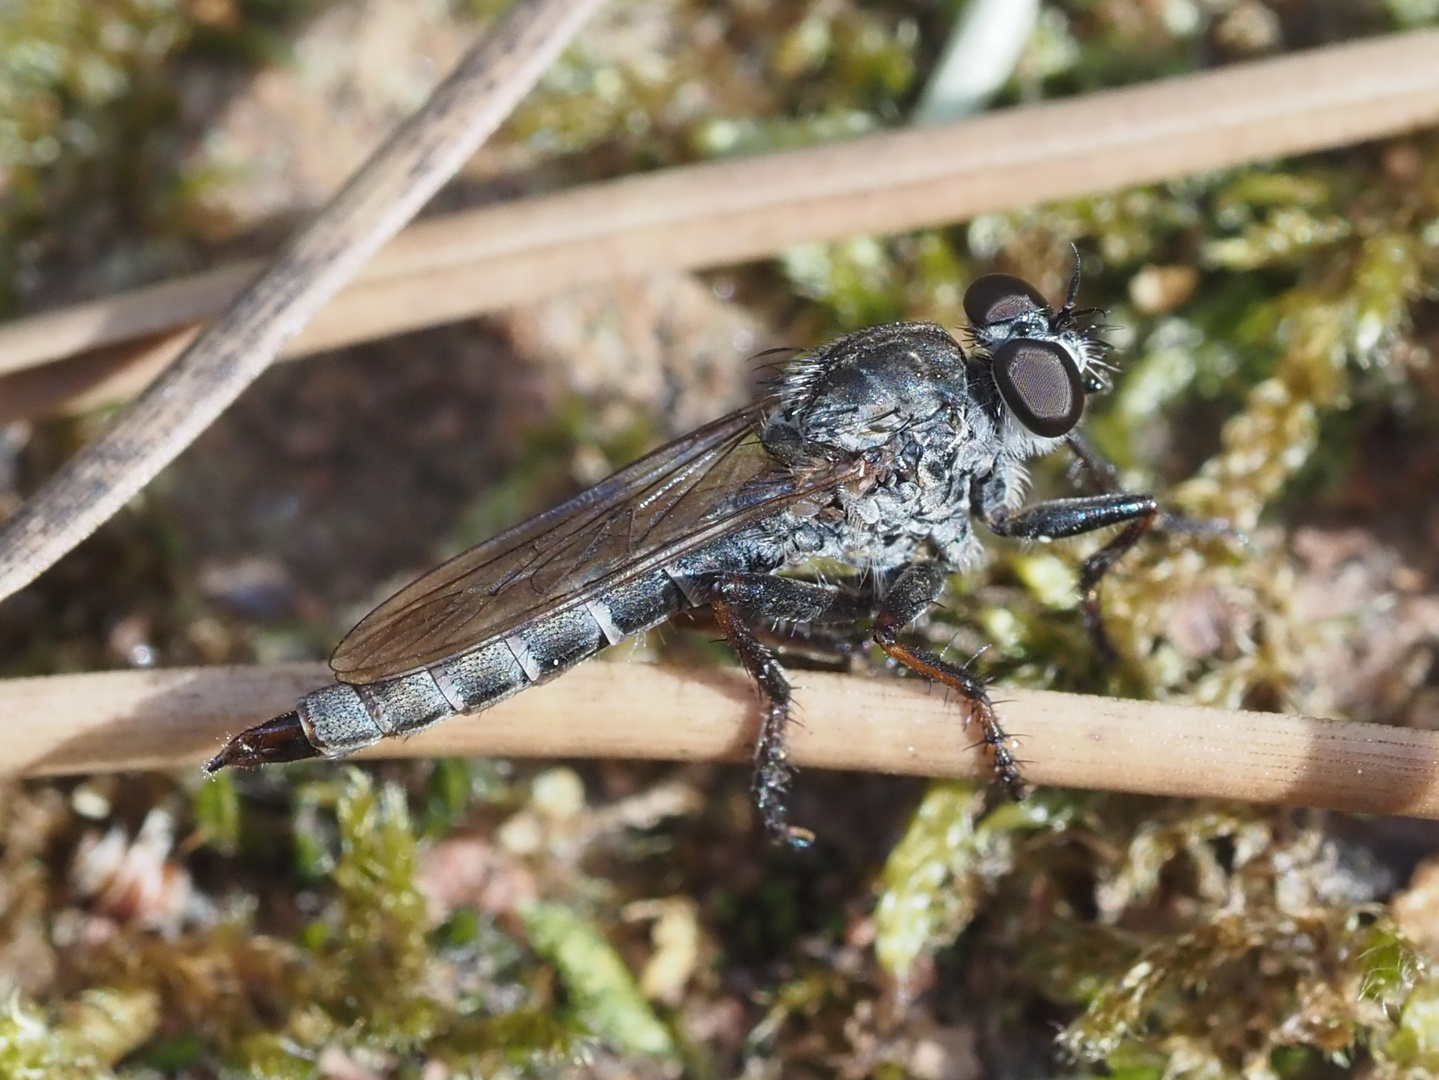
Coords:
878,450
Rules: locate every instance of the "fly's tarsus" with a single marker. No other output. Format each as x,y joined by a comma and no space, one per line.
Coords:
773,776
731,597
981,709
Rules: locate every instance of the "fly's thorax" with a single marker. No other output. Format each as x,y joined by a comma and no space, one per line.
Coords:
901,402
910,500
877,531
857,393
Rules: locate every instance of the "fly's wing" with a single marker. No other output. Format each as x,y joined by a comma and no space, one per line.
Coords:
705,485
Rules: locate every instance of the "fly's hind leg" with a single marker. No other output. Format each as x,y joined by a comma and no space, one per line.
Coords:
738,600
913,591
836,635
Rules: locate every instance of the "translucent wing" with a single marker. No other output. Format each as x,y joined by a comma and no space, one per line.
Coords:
708,484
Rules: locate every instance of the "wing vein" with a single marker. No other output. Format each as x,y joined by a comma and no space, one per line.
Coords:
673,501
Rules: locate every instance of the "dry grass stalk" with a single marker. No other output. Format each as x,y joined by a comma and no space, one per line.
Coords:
377,201
178,718
727,212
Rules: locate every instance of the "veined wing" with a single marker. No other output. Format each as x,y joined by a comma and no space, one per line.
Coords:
705,485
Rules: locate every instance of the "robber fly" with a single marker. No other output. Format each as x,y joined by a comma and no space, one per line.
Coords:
878,450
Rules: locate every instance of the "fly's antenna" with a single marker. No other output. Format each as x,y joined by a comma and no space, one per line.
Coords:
1070,316
1073,293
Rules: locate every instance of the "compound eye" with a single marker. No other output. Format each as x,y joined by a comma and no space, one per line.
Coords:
997,298
1040,383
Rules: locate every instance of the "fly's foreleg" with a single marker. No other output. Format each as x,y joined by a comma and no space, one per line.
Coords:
1103,478
738,601
1059,519
913,591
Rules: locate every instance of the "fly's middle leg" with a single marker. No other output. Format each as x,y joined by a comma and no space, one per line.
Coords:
913,591
738,601
826,641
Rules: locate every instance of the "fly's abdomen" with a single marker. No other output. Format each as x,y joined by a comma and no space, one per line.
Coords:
344,717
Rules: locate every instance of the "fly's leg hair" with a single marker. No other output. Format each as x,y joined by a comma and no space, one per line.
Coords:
917,587
833,635
739,600
1058,519
826,647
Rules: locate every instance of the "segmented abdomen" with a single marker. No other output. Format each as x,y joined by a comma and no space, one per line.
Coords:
343,717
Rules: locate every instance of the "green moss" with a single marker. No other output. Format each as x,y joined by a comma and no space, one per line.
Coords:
601,991
1223,942
938,876
754,77
87,110
377,940
1265,956
1240,987
216,806
31,1050
932,883
1413,1049
87,1039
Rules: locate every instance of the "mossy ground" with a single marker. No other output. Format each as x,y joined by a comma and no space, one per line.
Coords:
1276,329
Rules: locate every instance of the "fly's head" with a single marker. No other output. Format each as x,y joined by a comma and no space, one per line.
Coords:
1042,362
862,390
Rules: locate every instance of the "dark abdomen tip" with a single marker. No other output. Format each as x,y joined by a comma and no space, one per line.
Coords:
277,740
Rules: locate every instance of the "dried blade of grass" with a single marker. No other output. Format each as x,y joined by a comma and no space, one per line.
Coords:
176,719
726,212
377,201
135,313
